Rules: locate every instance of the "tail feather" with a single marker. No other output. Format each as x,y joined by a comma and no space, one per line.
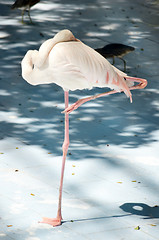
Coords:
124,87
127,83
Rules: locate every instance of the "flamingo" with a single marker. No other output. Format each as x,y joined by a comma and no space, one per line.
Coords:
69,63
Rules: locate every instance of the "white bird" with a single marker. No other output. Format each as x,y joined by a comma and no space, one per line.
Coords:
69,63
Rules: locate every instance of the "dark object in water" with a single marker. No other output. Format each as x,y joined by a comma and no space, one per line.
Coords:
113,50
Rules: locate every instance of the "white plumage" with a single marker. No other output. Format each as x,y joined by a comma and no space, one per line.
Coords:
72,65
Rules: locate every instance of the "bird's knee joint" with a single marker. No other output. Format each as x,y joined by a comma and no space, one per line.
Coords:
65,146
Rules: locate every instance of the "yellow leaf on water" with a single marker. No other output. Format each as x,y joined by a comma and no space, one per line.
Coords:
137,228
73,165
32,194
73,173
9,225
120,182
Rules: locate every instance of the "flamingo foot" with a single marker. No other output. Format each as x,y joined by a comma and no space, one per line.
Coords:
70,109
75,105
52,221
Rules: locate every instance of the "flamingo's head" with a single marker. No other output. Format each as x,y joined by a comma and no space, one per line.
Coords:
64,36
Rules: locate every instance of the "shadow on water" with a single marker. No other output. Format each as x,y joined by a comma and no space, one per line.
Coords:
141,209
131,209
96,218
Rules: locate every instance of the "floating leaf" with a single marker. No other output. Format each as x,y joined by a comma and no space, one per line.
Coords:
1,153
32,194
73,165
134,181
73,173
16,170
137,228
153,225
120,182
9,225
17,148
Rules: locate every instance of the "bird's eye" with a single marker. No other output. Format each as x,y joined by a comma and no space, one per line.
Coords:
33,66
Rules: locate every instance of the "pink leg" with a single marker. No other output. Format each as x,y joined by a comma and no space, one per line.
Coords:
57,221
74,106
